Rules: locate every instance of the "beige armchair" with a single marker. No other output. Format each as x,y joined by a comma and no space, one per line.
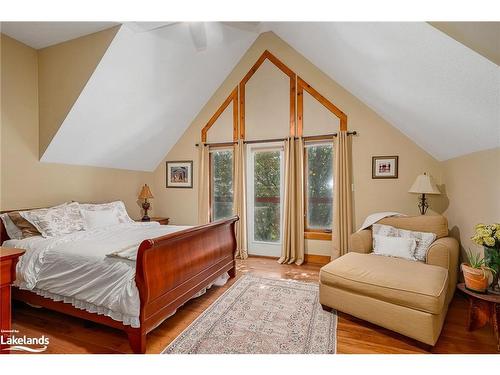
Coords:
405,296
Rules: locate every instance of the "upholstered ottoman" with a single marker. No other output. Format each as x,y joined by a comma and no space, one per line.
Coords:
405,296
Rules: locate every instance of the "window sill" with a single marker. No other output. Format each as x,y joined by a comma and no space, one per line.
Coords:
318,236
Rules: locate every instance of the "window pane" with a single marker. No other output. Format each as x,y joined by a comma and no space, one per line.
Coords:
267,196
319,186
222,184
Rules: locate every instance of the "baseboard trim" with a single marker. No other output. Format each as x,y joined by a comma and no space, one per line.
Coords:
308,258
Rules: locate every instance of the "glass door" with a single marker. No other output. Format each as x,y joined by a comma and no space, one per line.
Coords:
265,180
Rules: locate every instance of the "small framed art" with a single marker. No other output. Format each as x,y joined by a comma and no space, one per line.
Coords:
385,167
180,174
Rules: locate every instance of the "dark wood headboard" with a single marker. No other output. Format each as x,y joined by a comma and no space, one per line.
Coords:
3,233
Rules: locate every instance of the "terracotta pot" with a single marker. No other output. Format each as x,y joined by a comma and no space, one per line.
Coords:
476,279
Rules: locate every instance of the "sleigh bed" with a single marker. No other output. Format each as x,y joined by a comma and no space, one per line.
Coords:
169,271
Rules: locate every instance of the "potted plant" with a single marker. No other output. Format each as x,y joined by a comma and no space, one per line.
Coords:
488,236
476,273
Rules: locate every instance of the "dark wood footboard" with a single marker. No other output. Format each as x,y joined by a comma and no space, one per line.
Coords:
173,268
170,270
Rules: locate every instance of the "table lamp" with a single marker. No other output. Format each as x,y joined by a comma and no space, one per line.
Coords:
146,194
424,184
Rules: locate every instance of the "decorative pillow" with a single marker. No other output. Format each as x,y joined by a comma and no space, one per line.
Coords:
424,239
27,229
98,219
12,230
56,221
394,246
118,207
384,230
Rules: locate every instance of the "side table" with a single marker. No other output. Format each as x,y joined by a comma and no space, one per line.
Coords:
483,309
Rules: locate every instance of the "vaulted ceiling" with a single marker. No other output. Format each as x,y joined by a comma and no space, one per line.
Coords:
440,93
144,93
154,79
43,34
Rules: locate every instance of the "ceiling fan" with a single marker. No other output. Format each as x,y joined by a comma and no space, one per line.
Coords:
197,30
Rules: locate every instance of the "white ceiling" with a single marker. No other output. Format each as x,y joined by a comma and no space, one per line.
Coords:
43,34
150,85
440,93
146,90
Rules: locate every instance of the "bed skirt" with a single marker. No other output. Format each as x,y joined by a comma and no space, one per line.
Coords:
127,320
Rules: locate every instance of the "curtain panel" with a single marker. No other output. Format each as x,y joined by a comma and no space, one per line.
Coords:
292,247
342,200
204,184
240,200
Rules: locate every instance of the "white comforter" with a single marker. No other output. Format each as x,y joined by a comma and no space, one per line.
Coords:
77,268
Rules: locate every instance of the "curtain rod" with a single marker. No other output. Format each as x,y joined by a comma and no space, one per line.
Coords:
307,138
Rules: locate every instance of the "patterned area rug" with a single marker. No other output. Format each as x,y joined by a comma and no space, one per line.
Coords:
261,316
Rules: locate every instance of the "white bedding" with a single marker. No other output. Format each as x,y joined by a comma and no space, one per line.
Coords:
77,268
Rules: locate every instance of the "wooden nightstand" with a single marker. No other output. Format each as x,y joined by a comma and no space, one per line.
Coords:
161,220
8,261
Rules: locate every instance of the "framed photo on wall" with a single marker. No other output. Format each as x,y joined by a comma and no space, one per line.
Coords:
385,167
180,174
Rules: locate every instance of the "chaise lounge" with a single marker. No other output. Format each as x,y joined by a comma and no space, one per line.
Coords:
408,297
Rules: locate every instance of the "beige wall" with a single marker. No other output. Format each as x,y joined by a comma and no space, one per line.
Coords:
472,183
376,137
482,37
63,71
25,182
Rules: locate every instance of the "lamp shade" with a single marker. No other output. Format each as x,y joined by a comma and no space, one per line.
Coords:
424,184
145,193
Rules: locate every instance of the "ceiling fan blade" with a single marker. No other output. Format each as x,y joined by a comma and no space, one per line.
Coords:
198,35
250,26
141,27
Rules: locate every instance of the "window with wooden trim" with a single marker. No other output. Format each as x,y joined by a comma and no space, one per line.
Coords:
318,186
221,184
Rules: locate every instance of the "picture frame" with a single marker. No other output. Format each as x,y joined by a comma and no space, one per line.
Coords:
179,174
385,167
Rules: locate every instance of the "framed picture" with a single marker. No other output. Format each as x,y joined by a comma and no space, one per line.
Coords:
384,167
180,174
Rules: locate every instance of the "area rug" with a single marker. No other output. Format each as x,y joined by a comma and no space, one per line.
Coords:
261,316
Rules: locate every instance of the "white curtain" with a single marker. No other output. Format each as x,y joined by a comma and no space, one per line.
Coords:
204,184
342,200
292,248
240,201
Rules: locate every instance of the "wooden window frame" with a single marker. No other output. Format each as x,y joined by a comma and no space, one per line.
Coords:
266,55
232,98
309,233
303,85
297,88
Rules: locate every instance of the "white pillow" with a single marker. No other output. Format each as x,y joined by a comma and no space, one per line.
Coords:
12,230
424,239
118,206
56,221
98,219
394,246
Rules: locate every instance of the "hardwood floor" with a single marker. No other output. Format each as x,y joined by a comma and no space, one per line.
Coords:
73,335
